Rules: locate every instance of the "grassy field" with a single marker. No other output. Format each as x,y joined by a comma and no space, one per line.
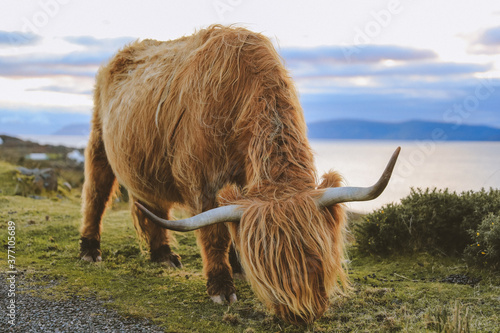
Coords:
407,294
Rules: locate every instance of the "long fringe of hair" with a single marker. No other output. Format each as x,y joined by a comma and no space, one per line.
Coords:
292,252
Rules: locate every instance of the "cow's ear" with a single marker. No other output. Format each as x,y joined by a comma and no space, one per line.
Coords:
331,179
338,213
228,195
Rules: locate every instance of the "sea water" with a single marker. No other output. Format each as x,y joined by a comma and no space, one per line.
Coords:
458,166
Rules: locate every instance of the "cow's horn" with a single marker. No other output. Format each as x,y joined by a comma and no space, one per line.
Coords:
231,213
334,195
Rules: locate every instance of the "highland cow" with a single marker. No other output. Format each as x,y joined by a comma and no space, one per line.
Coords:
212,122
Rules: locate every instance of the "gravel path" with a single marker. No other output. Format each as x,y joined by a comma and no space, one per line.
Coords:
34,314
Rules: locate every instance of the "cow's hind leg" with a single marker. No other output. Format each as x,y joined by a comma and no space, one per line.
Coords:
100,183
215,242
157,238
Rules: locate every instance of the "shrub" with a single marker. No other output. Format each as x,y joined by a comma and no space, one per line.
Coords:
426,220
485,251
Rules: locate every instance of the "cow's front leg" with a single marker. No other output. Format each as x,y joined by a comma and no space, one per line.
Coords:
215,242
100,183
157,237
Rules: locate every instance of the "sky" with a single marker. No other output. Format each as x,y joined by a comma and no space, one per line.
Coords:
373,60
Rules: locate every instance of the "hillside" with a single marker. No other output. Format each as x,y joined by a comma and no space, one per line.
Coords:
410,130
41,123
74,129
18,152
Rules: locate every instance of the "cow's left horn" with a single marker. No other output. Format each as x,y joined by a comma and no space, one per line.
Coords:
231,213
334,195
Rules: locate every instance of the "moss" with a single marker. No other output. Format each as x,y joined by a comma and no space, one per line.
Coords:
7,183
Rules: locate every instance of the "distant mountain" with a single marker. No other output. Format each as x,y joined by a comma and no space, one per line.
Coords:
21,122
74,129
409,130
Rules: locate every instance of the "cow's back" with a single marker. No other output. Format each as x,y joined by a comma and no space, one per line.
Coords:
178,117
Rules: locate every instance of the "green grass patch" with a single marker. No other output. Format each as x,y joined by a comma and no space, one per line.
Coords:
397,293
7,179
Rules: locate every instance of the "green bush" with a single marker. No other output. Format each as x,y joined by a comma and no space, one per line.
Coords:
426,220
485,250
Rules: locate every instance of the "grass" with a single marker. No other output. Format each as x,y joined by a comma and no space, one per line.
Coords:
399,293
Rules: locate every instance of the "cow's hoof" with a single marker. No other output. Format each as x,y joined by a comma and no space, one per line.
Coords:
220,287
173,261
166,257
221,299
90,250
89,258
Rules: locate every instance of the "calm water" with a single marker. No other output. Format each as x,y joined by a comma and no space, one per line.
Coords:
459,166
74,141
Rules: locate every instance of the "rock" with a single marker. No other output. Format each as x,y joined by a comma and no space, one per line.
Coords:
28,172
44,178
76,156
68,186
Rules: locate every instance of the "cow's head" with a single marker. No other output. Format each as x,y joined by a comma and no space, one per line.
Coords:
290,247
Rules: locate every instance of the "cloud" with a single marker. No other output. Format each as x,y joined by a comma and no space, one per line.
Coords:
38,65
389,83
356,54
470,101
371,60
84,62
16,38
105,43
487,42
62,89
430,69
374,82
491,37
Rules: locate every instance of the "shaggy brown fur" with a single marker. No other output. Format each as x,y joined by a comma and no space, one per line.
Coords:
177,121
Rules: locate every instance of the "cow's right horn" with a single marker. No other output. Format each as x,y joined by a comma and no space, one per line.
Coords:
231,213
334,195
